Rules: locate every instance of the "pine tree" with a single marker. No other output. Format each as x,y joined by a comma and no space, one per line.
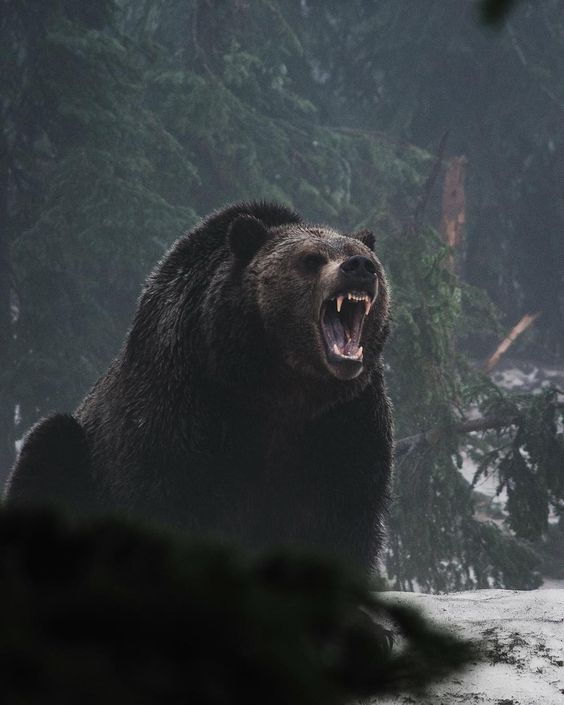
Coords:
85,216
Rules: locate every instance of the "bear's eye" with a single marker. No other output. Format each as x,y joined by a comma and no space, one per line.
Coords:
313,262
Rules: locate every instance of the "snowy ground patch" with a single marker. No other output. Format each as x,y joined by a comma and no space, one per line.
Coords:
527,376
522,638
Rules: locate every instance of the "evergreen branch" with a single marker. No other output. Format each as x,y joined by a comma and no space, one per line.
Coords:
373,134
432,435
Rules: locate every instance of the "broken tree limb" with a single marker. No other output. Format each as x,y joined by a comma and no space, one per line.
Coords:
454,206
527,320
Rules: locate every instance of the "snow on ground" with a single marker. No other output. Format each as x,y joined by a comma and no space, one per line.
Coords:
521,635
487,486
527,376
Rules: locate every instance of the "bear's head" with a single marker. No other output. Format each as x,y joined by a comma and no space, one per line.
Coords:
321,297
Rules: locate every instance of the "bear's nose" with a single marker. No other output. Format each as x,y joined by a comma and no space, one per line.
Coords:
359,267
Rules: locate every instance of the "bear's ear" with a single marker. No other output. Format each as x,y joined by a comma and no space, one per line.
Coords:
366,237
246,236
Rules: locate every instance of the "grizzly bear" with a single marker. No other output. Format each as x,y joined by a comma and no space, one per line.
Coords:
248,401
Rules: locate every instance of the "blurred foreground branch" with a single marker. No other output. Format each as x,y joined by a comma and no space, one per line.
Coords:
495,12
106,612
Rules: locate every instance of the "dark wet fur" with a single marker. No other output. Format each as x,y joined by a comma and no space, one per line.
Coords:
217,416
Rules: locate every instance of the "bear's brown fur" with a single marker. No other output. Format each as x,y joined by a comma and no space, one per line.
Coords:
243,403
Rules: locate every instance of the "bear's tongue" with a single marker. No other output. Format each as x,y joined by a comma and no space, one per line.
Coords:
342,328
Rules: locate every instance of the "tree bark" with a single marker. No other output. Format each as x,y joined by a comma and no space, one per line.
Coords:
454,206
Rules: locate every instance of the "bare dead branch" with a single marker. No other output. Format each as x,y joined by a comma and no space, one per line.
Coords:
527,320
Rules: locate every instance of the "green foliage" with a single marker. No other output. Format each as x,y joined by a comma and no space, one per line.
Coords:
233,104
416,70
529,465
118,140
111,613
90,211
435,541
427,307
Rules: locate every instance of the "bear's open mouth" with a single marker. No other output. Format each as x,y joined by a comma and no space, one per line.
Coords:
342,319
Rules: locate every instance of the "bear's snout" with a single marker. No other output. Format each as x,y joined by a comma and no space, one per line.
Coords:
358,268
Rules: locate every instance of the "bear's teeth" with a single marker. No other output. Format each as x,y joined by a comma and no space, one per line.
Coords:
353,297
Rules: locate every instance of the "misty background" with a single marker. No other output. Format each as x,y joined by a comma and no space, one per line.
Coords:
124,122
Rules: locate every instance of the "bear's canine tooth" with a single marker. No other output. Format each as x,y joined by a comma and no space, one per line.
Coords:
367,305
340,300
336,349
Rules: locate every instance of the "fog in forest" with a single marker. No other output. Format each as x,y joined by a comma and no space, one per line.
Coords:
428,136
124,123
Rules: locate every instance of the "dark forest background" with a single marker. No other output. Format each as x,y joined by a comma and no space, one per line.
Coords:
124,122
